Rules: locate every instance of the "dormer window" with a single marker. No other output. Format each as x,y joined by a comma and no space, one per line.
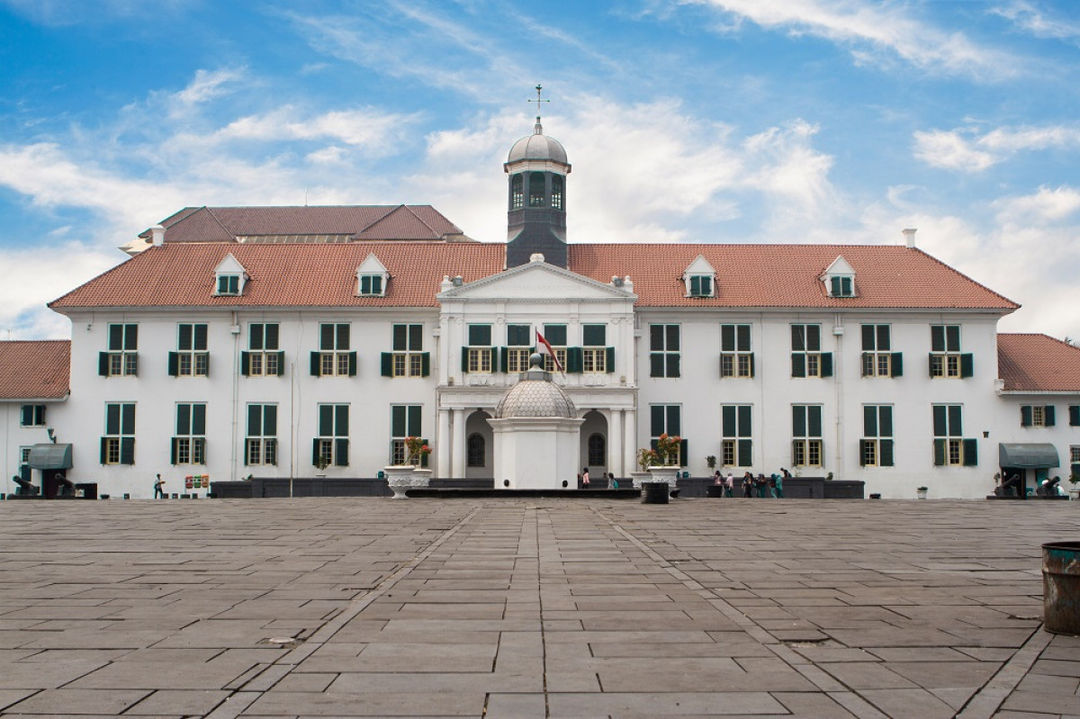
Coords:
371,277
701,286
228,284
699,278
842,286
839,278
229,277
371,285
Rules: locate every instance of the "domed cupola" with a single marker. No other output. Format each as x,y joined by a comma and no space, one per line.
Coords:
536,215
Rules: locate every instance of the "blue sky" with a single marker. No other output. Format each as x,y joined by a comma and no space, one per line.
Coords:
697,120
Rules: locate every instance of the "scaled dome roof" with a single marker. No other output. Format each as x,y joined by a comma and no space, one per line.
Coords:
537,146
535,395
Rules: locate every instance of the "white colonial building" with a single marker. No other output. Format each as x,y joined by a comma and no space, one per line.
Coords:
295,341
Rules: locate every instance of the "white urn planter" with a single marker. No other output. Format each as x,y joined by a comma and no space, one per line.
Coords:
663,474
639,478
920,493
400,477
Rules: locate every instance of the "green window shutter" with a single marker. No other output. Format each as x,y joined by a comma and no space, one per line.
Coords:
695,285
955,419
135,365
1025,416
656,420
869,421
939,452
656,338
172,450
813,416
401,338
245,363
885,458
127,450
341,420
1048,413
1074,415
940,422
862,451
315,452
727,338
413,430
387,364
270,420
826,364
352,364
609,361
971,452
316,364
868,344
798,365
127,419
594,335
198,419
103,364
271,445
425,364
424,457
798,421
836,287
751,364
897,364
930,365
341,452
104,441
574,361
254,420
174,364
326,420
865,364
271,341
673,420
684,453
280,364
397,421
745,454
744,420
729,427
967,365
504,359
200,337
937,338
656,364
464,360
27,415
183,419
112,419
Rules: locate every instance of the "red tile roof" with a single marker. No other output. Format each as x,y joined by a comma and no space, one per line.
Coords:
34,370
285,275
358,222
1038,363
782,275
323,274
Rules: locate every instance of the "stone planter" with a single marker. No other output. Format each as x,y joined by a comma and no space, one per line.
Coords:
920,493
421,477
638,478
663,474
400,477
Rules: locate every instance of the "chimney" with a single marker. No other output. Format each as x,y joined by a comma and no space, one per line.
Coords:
909,236
157,235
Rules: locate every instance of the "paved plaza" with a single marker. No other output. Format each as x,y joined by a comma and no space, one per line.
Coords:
530,608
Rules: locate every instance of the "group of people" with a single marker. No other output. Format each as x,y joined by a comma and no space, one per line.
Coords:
760,485
583,479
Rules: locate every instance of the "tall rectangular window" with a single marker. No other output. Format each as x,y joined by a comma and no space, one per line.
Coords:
260,442
666,419
191,358
331,446
876,445
189,442
122,357
807,449
1037,415
478,356
807,359
408,351
518,347
334,359
404,422
593,351
736,359
118,442
263,357
946,359
950,447
664,350
878,359
556,337
736,445
371,284
32,415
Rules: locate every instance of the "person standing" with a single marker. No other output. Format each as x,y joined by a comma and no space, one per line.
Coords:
729,485
159,488
779,494
584,477
748,485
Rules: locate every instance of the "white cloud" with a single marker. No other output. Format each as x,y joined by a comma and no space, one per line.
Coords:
207,85
368,127
1047,206
967,150
1031,19
875,32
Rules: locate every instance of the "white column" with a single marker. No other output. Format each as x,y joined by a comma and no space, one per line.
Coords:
443,441
630,446
459,444
615,442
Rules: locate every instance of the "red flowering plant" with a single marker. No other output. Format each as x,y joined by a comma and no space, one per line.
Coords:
415,450
667,449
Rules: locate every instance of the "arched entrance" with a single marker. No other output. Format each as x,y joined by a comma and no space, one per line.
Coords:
594,444
479,448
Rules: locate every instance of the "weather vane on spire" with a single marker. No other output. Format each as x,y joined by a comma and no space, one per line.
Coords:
538,99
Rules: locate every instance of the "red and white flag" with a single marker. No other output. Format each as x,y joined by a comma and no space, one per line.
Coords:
545,348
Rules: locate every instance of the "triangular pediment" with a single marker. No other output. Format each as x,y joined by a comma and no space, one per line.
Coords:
700,266
839,266
371,266
537,280
229,265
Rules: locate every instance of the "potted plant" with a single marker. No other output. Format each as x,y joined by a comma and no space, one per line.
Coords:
666,457
645,459
417,450
403,477
321,464
710,461
920,492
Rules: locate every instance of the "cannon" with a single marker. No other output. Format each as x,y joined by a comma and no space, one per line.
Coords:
25,488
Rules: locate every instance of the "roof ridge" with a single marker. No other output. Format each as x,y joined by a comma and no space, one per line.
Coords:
421,220
217,220
969,278
393,209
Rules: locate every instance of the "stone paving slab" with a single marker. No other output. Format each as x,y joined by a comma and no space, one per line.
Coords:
354,607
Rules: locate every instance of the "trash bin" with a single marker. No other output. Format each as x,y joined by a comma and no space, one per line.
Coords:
654,493
714,490
1061,587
